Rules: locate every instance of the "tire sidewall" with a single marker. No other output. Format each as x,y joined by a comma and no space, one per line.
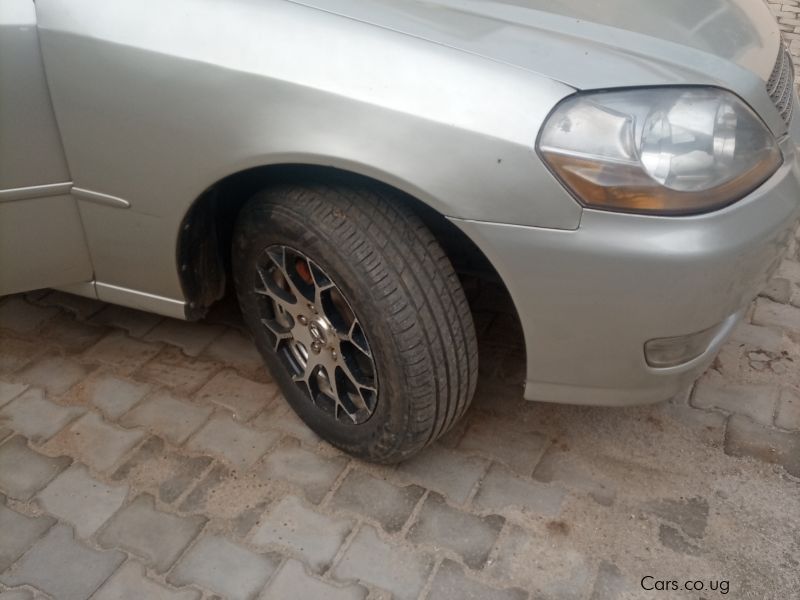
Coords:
387,428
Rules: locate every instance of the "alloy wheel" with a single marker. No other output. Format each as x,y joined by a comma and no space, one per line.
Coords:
316,334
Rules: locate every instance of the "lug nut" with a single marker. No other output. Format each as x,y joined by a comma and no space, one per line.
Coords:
334,355
315,346
302,320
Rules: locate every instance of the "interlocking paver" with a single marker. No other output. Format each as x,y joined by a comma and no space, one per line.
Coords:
568,469
708,426
224,567
244,522
15,354
789,270
24,472
788,415
154,466
450,473
756,401
243,397
167,415
174,370
75,496
689,515
54,373
18,594
135,322
18,533
280,417
450,583
386,503
70,335
80,306
235,349
305,533
155,536
778,315
441,526
23,317
312,473
52,563
747,438
501,489
238,445
113,395
129,582
190,337
195,501
292,581
754,336
95,442
778,290
394,568
121,352
609,584
37,418
519,450
554,570
9,391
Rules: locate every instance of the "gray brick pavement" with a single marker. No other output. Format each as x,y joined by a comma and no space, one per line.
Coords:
156,537
221,566
206,484
62,566
130,582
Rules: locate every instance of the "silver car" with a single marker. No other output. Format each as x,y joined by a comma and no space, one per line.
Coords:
628,171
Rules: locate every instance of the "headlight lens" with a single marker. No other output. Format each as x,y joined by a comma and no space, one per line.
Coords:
668,151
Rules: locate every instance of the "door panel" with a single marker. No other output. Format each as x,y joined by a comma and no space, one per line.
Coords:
41,244
41,237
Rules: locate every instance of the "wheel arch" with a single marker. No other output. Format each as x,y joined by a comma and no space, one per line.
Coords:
203,247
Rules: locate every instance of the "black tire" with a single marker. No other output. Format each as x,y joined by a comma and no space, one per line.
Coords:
403,290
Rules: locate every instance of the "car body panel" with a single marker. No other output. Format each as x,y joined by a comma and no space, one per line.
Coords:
30,147
41,235
591,298
628,43
155,112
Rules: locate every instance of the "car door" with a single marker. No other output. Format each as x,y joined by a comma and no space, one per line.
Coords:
41,237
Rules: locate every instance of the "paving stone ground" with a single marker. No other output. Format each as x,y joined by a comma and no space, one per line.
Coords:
141,457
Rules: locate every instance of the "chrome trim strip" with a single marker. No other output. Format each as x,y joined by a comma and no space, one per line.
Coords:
115,294
99,198
36,191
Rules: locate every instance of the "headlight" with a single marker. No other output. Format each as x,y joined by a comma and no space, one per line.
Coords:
667,151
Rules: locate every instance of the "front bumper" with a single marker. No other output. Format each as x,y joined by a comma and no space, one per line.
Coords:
589,299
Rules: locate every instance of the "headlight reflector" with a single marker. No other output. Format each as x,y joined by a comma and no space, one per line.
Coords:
666,151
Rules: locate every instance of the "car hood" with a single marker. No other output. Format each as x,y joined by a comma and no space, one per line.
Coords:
586,45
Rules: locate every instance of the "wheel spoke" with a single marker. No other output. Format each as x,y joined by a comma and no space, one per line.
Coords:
304,377
279,334
356,337
337,394
359,400
359,385
277,295
317,335
278,258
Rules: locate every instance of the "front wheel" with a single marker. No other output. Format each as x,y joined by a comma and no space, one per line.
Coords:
358,314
